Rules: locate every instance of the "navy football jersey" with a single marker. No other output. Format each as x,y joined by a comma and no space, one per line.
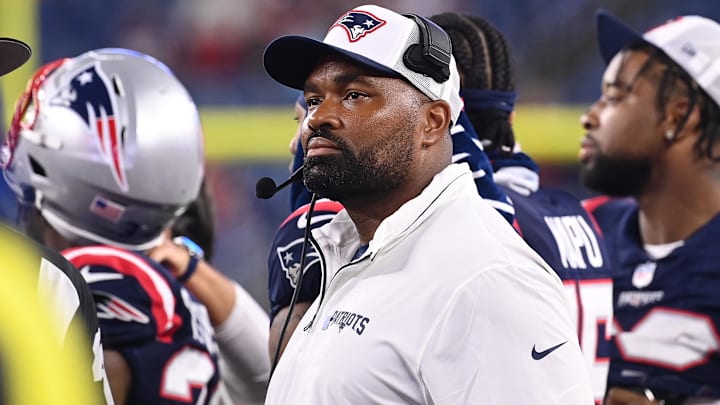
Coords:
284,258
555,224
667,311
468,149
160,329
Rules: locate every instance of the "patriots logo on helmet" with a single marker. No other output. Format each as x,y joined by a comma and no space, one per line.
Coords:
357,24
90,95
289,256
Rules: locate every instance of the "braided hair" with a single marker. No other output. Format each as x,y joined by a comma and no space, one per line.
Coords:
484,61
673,78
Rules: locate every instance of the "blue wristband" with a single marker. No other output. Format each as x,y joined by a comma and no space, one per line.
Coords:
191,268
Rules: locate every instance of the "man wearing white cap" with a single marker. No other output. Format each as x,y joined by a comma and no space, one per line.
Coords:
431,297
653,135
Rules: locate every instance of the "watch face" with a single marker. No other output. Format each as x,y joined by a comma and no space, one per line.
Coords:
193,248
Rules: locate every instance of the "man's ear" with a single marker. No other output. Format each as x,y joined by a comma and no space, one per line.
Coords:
676,112
436,123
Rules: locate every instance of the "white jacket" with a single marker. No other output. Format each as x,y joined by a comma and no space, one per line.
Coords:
447,306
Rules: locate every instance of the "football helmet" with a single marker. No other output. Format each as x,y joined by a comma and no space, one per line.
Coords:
107,146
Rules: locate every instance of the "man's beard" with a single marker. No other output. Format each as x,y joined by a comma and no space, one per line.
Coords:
346,175
617,176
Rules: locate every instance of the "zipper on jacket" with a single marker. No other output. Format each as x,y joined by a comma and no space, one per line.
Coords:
327,286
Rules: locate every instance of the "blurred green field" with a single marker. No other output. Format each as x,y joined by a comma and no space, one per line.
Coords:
546,132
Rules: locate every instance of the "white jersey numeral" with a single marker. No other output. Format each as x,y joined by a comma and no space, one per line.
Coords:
592,308
670,338
188,369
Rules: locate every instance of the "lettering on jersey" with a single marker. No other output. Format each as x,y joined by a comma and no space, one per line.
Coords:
345,319
643,274
357,24
289,256
576,242
110,306
201,327
639,298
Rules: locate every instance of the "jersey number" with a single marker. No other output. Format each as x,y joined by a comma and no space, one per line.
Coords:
591,307
670,338
188,369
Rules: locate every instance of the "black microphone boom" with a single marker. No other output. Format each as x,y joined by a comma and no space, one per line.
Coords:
265,188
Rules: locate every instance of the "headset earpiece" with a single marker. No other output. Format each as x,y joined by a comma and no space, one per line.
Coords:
431,56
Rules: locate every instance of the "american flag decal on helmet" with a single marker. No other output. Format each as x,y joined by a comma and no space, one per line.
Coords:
107,209
357,24
90,96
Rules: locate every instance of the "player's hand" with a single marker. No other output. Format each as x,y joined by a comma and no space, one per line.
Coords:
175,258
622,396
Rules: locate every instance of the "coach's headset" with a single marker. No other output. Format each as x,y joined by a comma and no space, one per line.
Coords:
431,56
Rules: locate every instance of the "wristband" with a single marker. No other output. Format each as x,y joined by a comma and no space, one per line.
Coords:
191,268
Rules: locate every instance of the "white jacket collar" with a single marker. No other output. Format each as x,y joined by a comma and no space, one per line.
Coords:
453,181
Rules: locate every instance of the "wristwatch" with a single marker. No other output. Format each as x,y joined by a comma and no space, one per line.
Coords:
192,248
196,254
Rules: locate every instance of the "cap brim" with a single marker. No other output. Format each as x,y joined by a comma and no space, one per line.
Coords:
614,35
290,59
13,54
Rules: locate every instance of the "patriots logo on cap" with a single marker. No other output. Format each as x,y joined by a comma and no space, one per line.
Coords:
357,24
89,95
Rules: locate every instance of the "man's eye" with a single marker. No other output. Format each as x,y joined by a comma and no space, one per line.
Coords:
312,101
613,98
353,95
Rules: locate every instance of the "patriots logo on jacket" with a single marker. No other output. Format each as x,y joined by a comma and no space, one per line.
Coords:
289,256
357,24
90,95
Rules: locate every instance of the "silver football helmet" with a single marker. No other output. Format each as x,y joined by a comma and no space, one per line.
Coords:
107,146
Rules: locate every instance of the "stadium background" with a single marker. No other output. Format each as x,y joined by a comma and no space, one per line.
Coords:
215,48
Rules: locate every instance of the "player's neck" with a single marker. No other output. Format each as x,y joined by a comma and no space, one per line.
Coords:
677,207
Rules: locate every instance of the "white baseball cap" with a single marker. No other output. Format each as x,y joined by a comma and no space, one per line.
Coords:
373,36
693,42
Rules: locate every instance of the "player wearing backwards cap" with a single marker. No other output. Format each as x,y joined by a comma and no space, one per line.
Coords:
553,222
653,135
58,281
431,296
88,152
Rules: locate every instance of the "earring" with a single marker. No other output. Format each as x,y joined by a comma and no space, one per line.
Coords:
670,135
